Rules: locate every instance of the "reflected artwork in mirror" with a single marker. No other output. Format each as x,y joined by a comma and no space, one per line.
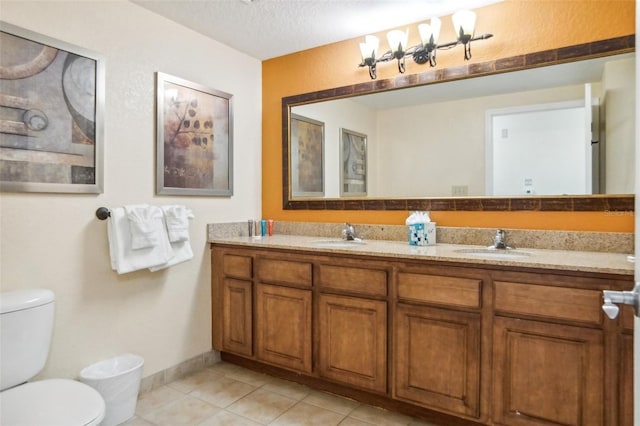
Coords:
482,136
307,157
353,164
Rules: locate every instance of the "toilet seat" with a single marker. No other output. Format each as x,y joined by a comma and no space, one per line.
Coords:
53,402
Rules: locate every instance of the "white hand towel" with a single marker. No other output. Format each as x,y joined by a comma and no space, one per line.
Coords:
125,259
181,253
143,222
177,219
177,222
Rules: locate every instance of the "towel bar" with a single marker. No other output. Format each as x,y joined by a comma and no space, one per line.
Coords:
103,213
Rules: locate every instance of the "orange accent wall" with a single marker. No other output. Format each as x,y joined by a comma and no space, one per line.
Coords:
518,26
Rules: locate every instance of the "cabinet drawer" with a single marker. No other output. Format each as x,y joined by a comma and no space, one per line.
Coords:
237,266
440,290
284,272
552,302
370,282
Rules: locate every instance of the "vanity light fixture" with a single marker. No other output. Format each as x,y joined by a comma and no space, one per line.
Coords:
398,41
369,50
463,22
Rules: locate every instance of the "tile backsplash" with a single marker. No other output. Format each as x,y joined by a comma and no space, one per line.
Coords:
610,242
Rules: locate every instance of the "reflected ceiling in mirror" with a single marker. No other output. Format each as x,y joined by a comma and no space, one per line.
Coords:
439,166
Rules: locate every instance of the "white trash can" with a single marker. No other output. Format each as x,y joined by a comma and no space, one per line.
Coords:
118,381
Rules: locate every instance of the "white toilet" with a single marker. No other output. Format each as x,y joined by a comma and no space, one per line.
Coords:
26,323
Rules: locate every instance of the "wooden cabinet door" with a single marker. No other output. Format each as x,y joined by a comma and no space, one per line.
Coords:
236,318
353,341
625,374
437,359
547,374
283,326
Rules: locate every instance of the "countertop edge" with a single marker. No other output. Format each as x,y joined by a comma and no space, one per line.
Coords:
552,260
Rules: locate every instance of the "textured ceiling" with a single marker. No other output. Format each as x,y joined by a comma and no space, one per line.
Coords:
267,29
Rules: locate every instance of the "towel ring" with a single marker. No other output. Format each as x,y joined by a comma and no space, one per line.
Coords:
103,213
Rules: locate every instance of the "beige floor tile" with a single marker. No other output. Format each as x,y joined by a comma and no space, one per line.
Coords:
228,395
137,421
331,402
378,416
418,422
187,411
303,414
155,399
224,368
248,376
225,418
262,406
189,383
350,421
222,392
289,389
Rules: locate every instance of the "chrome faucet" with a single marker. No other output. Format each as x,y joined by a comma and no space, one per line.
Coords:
500,240
349,232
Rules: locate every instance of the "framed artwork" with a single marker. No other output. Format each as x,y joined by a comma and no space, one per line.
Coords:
353,163
307,157
194,139
51,114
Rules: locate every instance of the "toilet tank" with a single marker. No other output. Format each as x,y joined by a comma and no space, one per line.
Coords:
26,323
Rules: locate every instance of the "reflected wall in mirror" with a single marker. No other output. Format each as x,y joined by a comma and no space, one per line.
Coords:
489,136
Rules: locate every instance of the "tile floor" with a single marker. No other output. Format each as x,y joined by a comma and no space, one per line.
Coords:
225,394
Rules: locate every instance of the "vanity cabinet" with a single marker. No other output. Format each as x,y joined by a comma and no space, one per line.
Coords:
233,287
625,366
547,374
437,342
454,343
237,317
550,365
352,325
283,313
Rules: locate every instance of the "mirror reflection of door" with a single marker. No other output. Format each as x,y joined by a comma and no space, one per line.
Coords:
540,149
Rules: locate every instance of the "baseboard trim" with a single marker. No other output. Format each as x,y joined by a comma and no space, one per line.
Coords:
176,372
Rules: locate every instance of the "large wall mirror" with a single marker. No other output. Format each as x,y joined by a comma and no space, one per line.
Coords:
553,130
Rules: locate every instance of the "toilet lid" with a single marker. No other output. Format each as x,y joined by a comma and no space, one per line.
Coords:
55,402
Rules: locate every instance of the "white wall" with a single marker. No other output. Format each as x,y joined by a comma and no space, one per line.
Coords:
436,146
55,241
618,83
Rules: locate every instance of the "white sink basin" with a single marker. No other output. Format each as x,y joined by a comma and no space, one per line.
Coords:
490,253
339,243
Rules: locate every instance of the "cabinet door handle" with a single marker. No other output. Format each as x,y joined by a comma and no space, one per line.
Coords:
613,298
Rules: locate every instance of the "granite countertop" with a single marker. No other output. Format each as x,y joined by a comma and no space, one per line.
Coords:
561,260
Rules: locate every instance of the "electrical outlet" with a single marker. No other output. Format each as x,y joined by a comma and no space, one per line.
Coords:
528,186
459,190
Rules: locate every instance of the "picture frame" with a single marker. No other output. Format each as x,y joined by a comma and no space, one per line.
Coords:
307,157
52,97
194,141
353,163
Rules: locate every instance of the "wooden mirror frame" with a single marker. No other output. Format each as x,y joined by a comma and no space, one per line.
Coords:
598,202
